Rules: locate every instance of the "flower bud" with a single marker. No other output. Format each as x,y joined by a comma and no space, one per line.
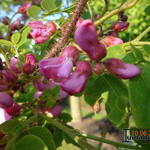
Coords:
16,25
23,9
56,68
30,64
14,110
4,116
98,68
86,37
15,65
123,17
6,21
96,107
111,41
120,26
5,100
54,111
84,67
121,69
71,52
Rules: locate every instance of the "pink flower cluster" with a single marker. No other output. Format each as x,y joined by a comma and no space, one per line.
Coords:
42,32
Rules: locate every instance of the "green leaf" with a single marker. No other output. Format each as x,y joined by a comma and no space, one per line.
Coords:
117,95
137,53
15,38
33,11
94,88
30,142
117,99
7,43
45,135
48,5
24,36
28,94
11,126
130,58
117,51
139,92
147,10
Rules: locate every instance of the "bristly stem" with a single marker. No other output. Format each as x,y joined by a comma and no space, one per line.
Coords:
67,29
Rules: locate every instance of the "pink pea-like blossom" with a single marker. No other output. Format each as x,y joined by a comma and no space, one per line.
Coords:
41,32
122,69
56,68
112,41
86,37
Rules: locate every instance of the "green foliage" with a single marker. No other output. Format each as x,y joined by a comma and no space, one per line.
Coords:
11,126
30,142
33,11
139,93
45,135
15,38
48,5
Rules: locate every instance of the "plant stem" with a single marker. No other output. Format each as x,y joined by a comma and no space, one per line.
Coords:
126,5
116,144
138,38
5,56
67,29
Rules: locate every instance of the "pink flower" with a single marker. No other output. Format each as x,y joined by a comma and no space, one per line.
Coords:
42,32
5,100
4,116
56,68
23,9
86,37
30,63
76,82
71,52
112,41
120,26
122,69
15,65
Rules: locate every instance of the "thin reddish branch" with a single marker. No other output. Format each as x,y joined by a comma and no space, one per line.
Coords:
67,29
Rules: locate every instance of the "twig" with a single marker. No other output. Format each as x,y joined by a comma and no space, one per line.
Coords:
138,38
126,5
67,29
116,144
